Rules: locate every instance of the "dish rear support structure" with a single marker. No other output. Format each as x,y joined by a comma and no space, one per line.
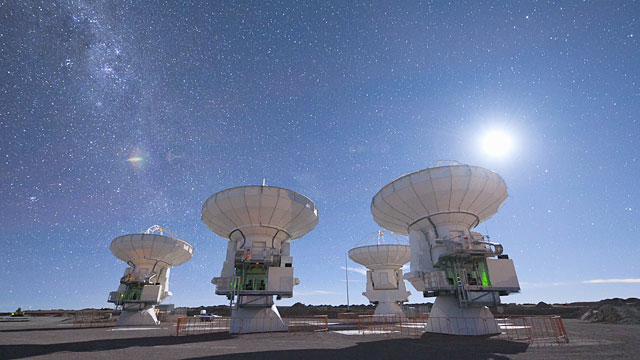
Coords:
385,285
437,207
145,283
259,222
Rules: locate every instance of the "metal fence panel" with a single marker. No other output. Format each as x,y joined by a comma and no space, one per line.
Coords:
539,329
197,325
84,319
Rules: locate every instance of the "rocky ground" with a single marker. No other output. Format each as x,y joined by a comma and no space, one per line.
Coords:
55,338
604,329
614,311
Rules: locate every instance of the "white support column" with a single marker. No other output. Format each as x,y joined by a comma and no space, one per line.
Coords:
133,316
447,317
256,319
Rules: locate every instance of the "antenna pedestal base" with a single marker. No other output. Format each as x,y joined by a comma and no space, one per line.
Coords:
256,320
447,317
388,308
146,317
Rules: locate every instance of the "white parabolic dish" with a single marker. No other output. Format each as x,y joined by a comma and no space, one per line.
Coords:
384,256
462,194
148,248
259,211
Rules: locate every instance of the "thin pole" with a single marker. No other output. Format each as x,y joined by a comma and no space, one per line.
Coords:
346,274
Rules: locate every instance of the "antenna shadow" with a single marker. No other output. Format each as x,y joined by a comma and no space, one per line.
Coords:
28,350
428,347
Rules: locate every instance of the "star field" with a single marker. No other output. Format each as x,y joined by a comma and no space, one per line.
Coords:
119,115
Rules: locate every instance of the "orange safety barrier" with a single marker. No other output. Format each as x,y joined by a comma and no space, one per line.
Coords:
392,324
93,319
201,325
539,329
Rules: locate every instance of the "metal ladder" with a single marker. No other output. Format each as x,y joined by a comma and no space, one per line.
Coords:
464,298
233,303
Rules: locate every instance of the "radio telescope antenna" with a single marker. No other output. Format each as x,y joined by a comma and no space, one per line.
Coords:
437,207
385,285
260,222
145,282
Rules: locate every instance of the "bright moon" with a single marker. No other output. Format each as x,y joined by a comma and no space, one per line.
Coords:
497,143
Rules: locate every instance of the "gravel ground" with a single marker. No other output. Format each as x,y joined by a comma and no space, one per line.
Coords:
54,338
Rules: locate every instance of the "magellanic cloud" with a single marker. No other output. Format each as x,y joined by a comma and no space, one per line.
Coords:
314,292
361,271
612,281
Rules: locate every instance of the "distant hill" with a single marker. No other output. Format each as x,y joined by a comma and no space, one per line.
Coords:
615,311
609,310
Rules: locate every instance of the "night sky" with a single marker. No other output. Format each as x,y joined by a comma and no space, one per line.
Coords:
116,117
